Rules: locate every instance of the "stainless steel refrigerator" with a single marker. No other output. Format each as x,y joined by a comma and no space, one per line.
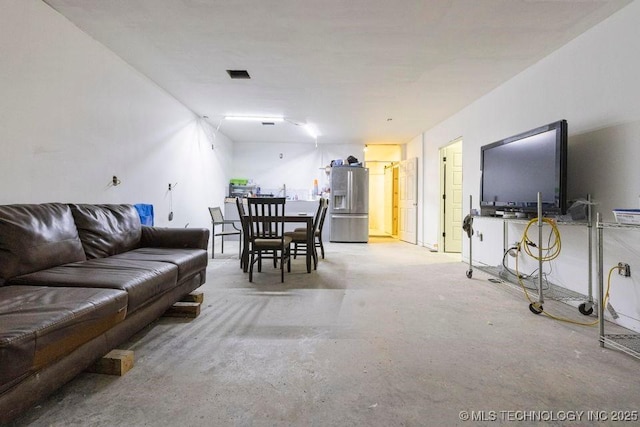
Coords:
349,207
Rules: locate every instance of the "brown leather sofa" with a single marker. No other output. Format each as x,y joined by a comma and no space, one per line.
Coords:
77,280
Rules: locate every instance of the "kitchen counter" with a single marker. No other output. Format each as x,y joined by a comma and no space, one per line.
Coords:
292,207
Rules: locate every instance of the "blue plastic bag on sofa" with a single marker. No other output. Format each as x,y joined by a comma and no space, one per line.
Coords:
146,213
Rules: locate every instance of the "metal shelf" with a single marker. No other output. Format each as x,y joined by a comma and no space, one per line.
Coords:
541,288
551,291
526,220
628,343
618,225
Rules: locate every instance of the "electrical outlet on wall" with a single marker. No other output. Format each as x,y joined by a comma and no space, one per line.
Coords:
624,269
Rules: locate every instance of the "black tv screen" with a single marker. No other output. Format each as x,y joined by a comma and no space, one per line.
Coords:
515,169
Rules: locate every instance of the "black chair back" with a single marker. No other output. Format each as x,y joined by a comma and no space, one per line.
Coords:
266,217
324,207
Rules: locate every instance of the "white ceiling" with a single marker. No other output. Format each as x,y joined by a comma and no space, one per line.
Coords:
361,71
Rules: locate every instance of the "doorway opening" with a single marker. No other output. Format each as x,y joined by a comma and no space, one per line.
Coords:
383,199
382,161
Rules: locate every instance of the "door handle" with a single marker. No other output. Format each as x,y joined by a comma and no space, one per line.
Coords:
350,216
350,189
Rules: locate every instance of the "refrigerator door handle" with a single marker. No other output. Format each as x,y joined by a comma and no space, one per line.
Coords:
350,189
349,216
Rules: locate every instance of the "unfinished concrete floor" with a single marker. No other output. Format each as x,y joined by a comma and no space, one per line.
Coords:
382,334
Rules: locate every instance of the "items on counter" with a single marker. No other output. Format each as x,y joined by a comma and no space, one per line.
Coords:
349,161
243,188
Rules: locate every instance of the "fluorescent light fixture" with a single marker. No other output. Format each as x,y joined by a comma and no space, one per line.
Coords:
255,119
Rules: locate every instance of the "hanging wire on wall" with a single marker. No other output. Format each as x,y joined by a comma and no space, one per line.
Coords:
208,130
171,188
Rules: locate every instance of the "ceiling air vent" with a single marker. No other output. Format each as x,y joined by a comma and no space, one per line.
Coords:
238,74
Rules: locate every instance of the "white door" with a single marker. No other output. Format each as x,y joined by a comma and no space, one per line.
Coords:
408,200
388,200
452,197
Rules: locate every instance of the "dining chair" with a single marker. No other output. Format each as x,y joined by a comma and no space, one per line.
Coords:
318,234
244,252
266,233
299,235
218,219
317,238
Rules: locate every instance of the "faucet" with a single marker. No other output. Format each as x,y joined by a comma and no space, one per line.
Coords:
283,190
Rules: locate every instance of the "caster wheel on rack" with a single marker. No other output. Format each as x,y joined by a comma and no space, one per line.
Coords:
584,310
536,308
469,274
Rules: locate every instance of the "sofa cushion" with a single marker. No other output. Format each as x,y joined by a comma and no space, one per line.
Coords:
188,261
35,237
107,230
39,325
186,238
143,281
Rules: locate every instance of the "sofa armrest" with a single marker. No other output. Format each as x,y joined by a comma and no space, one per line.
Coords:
191,238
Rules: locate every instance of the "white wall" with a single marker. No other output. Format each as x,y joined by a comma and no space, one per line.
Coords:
72,115
593,83
299,166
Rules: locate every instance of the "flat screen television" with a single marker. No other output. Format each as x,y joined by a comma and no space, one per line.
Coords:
515,169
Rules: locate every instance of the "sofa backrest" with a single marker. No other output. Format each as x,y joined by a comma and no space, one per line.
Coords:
35,237
107,230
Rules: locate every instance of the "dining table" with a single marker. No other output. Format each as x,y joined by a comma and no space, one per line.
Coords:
305,218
